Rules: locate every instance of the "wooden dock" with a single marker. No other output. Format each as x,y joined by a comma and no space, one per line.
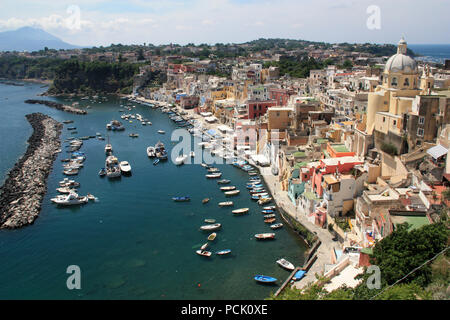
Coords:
287,281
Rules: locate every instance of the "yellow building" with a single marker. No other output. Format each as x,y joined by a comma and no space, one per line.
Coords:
386,105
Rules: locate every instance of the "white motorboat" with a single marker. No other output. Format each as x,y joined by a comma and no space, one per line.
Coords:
203,253
108,148
180,159
151,153
161,131
70,172
228,188
213,175
125,167
263,236
70,199
65,190
285,264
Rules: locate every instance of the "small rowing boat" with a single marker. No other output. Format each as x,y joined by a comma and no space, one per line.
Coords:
203,247
268,216
269,208
223,252
232,193
211,226
298,275
206,200
276,226
203,253
155,162
228,188
263,236
181,199
241,211
223,181
265,279
225,204
213,175
271,220
210,220
212,236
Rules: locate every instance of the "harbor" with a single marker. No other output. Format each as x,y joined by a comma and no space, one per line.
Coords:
136,241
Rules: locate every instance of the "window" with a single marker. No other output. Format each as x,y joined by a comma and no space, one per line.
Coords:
384,119
421,120
395,122
420,132
406,82
394,82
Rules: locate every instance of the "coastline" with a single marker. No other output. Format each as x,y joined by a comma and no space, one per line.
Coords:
58,106
25,187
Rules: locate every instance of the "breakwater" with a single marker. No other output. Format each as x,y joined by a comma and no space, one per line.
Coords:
56,105
24,188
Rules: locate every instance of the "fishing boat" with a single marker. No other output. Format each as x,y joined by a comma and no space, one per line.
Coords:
203,253
212,170
269,208
212,236
112,167
223,181
213,175
240,211
299,275
67,121
268,216
203,247
134,135
270,220
180,159
206,200
285,264
90,196
125,167
155,162
151,153
265,279
69,200
267,211
264,236
232,193
161,131
228,188
210,220
226,204
211,226
181,199
68,183
223,252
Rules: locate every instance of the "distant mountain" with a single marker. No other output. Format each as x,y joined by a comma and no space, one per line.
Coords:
31,39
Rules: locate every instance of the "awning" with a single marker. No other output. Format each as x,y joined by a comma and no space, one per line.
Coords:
437,151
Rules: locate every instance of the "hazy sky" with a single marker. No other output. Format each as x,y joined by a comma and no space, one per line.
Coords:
101,22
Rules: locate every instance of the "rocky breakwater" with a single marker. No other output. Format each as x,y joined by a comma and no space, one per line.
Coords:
24,189
57,105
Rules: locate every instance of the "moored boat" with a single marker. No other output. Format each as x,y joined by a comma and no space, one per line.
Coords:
210,220
180,159
299,275
211,226
223,181
270,220
69,200
240,211
223,252
265,279
203,253
206,200
228,188
276,226
213,175
285,264
181,199
151,152
125,167
263,236
225,204
231,193
212,236
155,162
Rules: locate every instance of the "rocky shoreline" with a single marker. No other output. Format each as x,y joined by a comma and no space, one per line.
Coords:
56,105
24,188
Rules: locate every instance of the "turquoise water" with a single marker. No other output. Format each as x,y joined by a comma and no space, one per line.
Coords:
135,243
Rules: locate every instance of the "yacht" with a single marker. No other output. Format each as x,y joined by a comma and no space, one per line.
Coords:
112,167
70,199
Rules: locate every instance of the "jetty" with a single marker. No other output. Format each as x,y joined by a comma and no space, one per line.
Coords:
25,186
57,105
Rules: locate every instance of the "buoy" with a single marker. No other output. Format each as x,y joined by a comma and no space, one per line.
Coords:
199,285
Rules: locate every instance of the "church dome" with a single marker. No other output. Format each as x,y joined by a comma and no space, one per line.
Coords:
400,62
